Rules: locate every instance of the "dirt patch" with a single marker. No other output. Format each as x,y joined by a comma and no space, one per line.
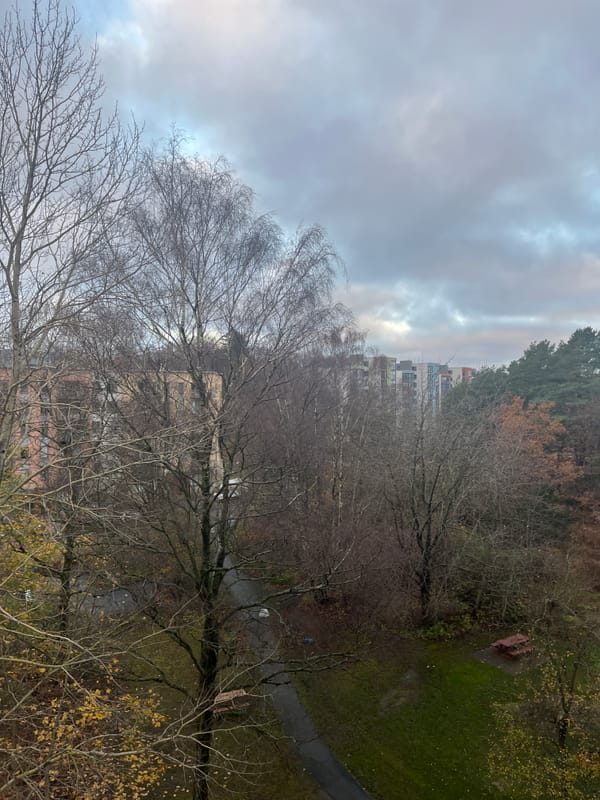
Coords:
514,666
306,627
323,627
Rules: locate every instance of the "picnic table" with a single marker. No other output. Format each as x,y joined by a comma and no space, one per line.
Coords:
234,700
513,646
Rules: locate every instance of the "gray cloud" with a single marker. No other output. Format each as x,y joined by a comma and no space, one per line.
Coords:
450,147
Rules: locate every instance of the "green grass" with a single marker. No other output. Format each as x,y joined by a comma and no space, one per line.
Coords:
415,727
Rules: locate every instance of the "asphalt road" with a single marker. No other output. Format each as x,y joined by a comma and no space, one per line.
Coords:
335,781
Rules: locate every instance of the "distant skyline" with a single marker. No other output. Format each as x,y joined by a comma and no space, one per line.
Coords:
451,148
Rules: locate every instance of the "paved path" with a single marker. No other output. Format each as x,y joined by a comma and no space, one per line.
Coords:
121,600
334,779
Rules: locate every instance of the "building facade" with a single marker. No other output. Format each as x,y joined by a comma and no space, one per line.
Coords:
64,420
416,386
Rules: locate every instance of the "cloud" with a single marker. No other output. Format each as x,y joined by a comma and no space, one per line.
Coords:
450,147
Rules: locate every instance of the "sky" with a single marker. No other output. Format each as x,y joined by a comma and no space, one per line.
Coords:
451,148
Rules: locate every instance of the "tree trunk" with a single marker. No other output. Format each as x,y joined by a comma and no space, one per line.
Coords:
425,588
66,575
563,731
206,694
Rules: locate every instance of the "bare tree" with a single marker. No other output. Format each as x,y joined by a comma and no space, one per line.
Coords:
320,434
431,471
65,178
224,301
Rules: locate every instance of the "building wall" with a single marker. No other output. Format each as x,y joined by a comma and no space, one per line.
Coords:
428,387
382,372
406,385
60,416
184,410
53,419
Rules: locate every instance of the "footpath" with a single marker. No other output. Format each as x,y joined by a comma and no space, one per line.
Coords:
333,778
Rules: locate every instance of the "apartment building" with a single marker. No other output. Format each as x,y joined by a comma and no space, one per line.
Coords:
461,375
382,373
435,381
414,385
428,387
67,418
406,385
53,420
184,411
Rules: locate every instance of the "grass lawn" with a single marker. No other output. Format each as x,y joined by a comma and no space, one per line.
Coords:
416,726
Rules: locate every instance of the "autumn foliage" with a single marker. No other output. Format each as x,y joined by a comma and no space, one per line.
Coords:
530,436
68,741
69,728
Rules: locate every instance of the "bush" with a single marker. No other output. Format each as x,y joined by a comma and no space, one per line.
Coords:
447,629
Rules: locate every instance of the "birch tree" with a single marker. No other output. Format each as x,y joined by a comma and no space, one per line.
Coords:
225,299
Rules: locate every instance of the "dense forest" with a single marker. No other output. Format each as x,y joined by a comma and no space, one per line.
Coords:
564,374
177,404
